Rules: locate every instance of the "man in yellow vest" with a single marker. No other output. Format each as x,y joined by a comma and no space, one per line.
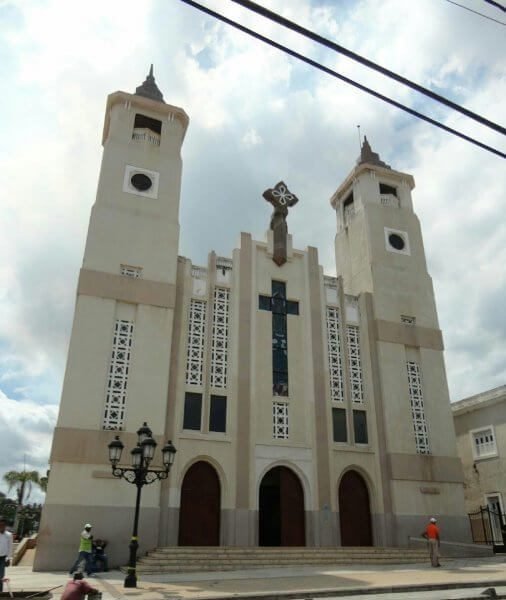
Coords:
85,550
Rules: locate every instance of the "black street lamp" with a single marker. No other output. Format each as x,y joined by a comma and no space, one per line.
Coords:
140,475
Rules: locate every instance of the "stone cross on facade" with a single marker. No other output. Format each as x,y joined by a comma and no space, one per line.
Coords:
281,199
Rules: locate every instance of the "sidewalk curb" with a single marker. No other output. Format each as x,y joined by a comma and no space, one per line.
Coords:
354,591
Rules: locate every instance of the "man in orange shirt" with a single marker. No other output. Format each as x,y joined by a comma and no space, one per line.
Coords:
431,534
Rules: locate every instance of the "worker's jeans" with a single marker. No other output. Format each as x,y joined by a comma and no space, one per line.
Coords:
86,556
2,571
434,552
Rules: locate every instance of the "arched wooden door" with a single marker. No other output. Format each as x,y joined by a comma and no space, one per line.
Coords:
354,511
199,513
281,509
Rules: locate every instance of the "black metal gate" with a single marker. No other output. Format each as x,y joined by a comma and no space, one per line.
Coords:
488,526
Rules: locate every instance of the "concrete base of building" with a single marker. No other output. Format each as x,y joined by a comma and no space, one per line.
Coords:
61,525
58,539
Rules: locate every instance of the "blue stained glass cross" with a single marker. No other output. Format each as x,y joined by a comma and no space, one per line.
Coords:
280,308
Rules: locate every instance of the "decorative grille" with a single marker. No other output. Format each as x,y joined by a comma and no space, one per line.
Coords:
199,272
408,320
219,344
129,271
115,399
196,337
417,408
335,359
280,420
354,362
224,263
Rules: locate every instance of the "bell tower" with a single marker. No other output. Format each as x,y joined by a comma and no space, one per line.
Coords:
380,257
135,219
119,355
379,246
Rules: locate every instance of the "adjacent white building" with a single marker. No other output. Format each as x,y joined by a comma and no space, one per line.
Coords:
480,426
306,409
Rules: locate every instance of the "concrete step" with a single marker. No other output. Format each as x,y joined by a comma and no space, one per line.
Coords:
222,558
220,551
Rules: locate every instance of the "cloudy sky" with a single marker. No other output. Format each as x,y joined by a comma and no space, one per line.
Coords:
256,116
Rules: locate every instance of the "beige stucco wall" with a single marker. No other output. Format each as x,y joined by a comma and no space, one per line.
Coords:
486,475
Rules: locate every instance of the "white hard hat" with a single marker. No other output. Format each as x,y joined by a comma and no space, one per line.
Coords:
433,520
87,526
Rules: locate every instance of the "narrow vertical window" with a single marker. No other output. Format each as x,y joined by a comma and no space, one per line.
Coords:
334,353
196,338
219,343
339,425
280,420
116,392
360,427
218,414
354,362
417,408
192,411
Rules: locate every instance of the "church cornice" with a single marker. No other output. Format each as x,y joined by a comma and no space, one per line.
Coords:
165,111
387,173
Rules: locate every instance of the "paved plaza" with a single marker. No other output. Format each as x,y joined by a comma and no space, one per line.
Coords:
303,583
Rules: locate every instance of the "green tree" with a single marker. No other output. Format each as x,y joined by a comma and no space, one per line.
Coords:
22,482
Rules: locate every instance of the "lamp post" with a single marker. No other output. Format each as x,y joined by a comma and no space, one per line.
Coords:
140,475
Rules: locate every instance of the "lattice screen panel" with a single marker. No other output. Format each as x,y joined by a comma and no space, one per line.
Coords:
196,339
280,420
116,393
335,357
219,342
355,364
417,408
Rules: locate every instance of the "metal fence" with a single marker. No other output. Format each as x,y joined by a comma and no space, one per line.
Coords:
488,526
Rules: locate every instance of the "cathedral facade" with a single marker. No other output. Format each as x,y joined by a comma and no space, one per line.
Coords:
306,409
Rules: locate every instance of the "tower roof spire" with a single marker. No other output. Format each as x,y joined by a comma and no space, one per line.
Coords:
149,89
370,157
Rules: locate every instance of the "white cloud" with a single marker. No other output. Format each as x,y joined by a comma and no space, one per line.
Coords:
256,117
25,430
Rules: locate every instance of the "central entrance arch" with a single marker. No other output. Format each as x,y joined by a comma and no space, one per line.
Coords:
281,519
199,513
354,511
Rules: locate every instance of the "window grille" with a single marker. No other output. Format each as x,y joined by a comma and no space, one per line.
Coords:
196,338
129,271
115,399
417,408
484,443
223,263
219,344
335,358
280,420
199,272
355,364
408,320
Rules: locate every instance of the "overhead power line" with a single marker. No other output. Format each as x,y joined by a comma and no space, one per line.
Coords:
476,12
496,4
337,75
277,18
